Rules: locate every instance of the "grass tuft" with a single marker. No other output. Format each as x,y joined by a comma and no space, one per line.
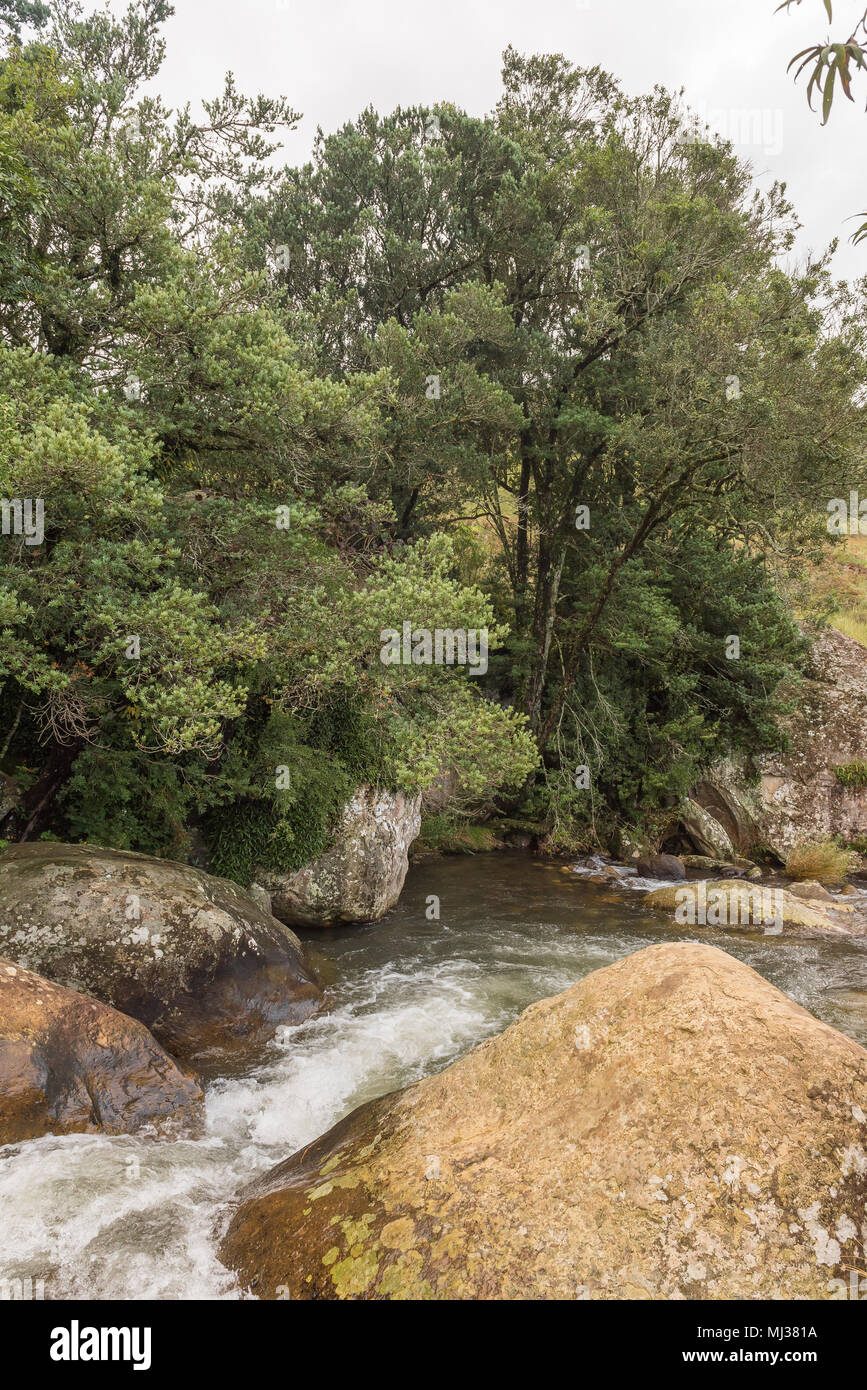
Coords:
822,860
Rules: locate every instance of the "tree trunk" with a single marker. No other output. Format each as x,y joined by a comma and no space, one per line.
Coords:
38,800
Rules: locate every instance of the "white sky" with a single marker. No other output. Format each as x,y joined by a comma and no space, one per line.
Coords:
331,58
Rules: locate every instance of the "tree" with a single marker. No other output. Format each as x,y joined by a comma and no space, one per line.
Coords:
661,366
16,15
538,373
203,605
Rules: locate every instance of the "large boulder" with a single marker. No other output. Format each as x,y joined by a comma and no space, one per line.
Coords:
671,1127
704,831
189,955
69,1064
730,796
361,876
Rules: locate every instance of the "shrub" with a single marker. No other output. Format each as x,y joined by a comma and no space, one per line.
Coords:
822,860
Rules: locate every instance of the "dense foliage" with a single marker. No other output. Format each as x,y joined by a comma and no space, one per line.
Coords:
539,373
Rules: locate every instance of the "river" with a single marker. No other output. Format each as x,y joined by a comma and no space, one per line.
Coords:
135,1218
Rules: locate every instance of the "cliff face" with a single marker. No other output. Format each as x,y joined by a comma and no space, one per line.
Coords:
799,795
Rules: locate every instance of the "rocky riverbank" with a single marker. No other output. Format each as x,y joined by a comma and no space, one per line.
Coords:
129,1195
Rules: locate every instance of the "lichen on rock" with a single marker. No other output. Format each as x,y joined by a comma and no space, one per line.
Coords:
191,956
670,1127
360,877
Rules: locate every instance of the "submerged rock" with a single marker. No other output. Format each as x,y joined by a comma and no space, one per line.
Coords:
189,955
671,1127
811,890
69,1064
361,876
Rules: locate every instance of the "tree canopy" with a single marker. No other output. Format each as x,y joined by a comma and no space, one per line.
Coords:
540,373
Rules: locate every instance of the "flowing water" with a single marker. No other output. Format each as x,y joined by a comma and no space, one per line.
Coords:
89,1217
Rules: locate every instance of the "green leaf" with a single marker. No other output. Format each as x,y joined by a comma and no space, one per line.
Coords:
828,95
861,234
806,54
843,68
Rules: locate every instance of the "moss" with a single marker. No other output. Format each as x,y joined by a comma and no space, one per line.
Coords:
281,821
444,834
402,1279
399,1234
357,1231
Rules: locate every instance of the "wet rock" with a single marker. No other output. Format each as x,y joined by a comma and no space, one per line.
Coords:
361,876
69,1065
671,1127
811,889
191,956
724,903
595,870
744,868
661,866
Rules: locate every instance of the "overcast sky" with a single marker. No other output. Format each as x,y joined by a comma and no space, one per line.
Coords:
331,58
